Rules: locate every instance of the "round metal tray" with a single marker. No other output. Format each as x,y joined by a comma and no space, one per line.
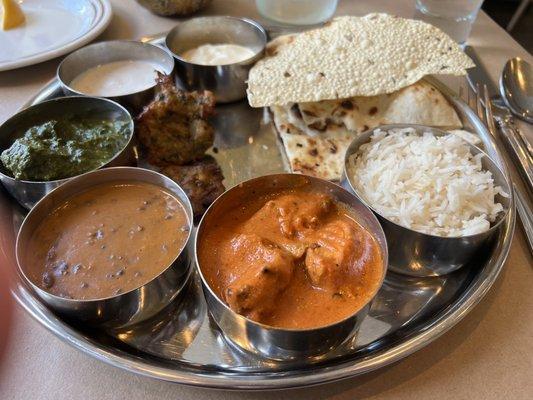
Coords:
183,345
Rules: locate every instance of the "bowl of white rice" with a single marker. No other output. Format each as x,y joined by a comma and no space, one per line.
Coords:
439,198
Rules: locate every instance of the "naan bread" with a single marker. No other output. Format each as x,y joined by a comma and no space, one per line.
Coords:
352,56
419,103
315,136
320,156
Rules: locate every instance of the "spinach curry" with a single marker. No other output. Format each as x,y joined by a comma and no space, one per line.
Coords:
66,147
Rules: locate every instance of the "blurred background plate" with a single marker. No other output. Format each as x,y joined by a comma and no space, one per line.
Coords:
52,28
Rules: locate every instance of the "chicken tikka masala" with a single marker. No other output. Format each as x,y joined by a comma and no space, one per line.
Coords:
291,259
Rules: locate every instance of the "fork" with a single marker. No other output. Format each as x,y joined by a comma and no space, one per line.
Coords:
481,104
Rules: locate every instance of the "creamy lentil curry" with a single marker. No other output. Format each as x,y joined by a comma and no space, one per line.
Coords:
291,259
107,240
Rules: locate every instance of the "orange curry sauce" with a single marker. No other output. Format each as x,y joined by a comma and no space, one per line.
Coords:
292,259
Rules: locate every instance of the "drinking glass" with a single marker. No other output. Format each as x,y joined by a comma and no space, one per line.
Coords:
455,17
297,12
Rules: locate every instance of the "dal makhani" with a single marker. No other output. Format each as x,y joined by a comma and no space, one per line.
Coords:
107,240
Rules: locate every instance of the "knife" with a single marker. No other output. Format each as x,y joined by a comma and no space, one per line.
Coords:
477,77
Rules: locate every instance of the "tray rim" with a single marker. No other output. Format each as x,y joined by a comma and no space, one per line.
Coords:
193,375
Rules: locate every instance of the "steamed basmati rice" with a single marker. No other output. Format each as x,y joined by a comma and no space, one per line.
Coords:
431,184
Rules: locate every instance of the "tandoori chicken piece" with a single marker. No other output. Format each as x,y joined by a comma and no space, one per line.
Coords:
264,271
173,128
201,181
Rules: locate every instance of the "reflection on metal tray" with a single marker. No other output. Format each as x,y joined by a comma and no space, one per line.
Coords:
183,345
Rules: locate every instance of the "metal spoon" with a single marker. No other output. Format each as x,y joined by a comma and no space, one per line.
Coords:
516,86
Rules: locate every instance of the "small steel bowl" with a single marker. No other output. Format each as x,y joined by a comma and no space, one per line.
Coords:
126,308
268,341
116,50
227,82
27,193
420,254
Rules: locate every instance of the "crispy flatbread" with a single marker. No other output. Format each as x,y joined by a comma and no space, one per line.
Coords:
352,56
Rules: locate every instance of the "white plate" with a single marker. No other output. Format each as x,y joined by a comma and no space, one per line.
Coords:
52,28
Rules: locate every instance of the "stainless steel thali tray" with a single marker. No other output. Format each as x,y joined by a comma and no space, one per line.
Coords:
183,345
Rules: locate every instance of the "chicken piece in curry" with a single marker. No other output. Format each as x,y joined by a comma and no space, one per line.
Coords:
292,259
268,270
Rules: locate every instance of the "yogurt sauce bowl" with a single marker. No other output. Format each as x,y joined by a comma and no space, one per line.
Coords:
123,71
216,53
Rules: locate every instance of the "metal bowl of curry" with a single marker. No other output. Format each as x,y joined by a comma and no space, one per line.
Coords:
44,145
110,247
289,265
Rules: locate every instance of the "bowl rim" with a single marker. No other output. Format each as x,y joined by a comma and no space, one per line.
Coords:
119,42
419,129
249,21
382,245
186,205
122,109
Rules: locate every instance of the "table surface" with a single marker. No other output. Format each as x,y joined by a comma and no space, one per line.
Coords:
489,355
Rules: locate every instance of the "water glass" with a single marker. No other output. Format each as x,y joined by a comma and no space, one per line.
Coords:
455,17
297,12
